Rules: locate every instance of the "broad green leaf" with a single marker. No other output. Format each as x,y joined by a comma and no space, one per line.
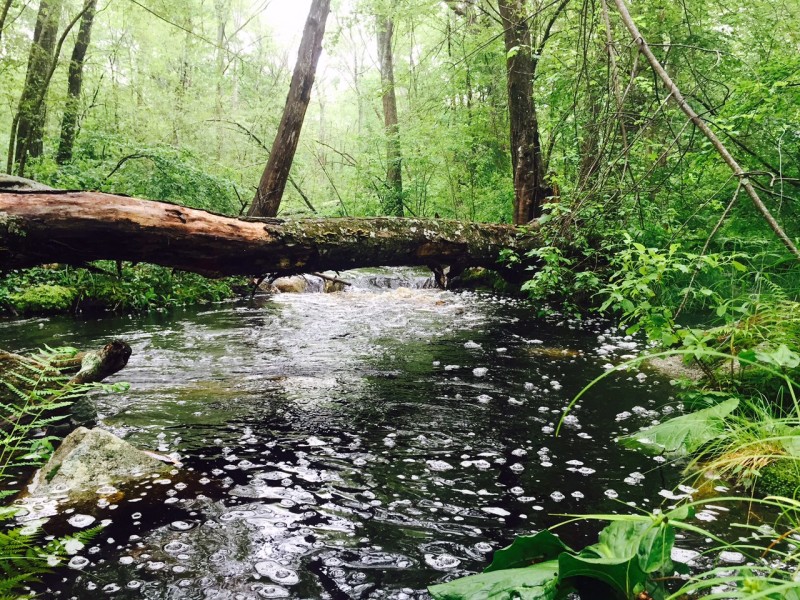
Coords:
682,435
528,549
781,357
537,582
626,553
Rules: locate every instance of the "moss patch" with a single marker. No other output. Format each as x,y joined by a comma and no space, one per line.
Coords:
780,478
43,298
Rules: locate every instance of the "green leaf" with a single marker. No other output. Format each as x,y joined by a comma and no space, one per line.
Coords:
782,357
528,549
682,435
738,266
537,582
626,553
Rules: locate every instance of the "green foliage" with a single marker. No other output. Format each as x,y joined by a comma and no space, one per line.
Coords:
684,435
631,555
134,288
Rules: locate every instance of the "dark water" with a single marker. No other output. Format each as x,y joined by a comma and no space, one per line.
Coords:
355,445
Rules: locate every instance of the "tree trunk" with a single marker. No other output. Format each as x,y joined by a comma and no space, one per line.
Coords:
69,122
526,151
393,199
273,181
77,227
3,15
27,128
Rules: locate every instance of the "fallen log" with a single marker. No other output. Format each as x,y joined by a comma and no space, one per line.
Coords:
77,227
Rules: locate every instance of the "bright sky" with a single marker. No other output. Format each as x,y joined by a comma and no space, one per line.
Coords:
286,18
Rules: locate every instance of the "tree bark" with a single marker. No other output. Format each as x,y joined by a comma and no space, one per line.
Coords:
676,94
4,15
273,181
27,128
393,200
526,150
77,227
69,121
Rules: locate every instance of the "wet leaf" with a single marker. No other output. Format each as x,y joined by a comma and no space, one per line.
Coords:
527,550
682,435
537,582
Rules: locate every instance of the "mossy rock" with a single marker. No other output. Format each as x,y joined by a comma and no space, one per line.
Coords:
43,298
780,478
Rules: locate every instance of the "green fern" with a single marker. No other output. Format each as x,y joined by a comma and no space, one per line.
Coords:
33,396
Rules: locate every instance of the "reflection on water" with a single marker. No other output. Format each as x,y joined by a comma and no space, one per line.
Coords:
355,445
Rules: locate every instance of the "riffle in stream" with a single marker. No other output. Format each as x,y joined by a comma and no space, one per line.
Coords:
362,444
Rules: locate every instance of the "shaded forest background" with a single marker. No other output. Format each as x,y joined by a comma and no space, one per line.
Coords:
179,101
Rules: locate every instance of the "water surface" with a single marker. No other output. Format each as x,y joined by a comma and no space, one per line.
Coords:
363,444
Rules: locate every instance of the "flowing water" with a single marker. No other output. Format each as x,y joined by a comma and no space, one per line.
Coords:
362,444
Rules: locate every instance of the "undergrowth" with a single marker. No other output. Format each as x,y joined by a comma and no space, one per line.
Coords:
107,286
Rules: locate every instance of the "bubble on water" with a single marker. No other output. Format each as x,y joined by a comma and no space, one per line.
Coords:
483,547
182,525
501,350
277,572
634,478
529,387
176,547
106,490
470,345
442,562
125,560
494,510
517,468
163,481
575,463
557,496
578,495
517,490
134,584
480,371
548,429
684,555
111,588
586,471
519,452
81,521
155,565
78,562
484,399
451,367
269,591
730,557
438,465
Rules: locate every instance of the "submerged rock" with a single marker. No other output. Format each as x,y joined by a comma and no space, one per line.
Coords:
90,458
300,284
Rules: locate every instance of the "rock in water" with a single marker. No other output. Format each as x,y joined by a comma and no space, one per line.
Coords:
88,459
11,183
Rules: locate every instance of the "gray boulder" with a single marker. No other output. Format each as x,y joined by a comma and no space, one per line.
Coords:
89,459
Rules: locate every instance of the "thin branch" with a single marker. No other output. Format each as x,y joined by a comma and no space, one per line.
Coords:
702,126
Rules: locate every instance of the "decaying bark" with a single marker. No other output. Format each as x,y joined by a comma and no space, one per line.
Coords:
78,227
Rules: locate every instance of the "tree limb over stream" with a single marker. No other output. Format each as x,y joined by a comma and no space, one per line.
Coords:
41,227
